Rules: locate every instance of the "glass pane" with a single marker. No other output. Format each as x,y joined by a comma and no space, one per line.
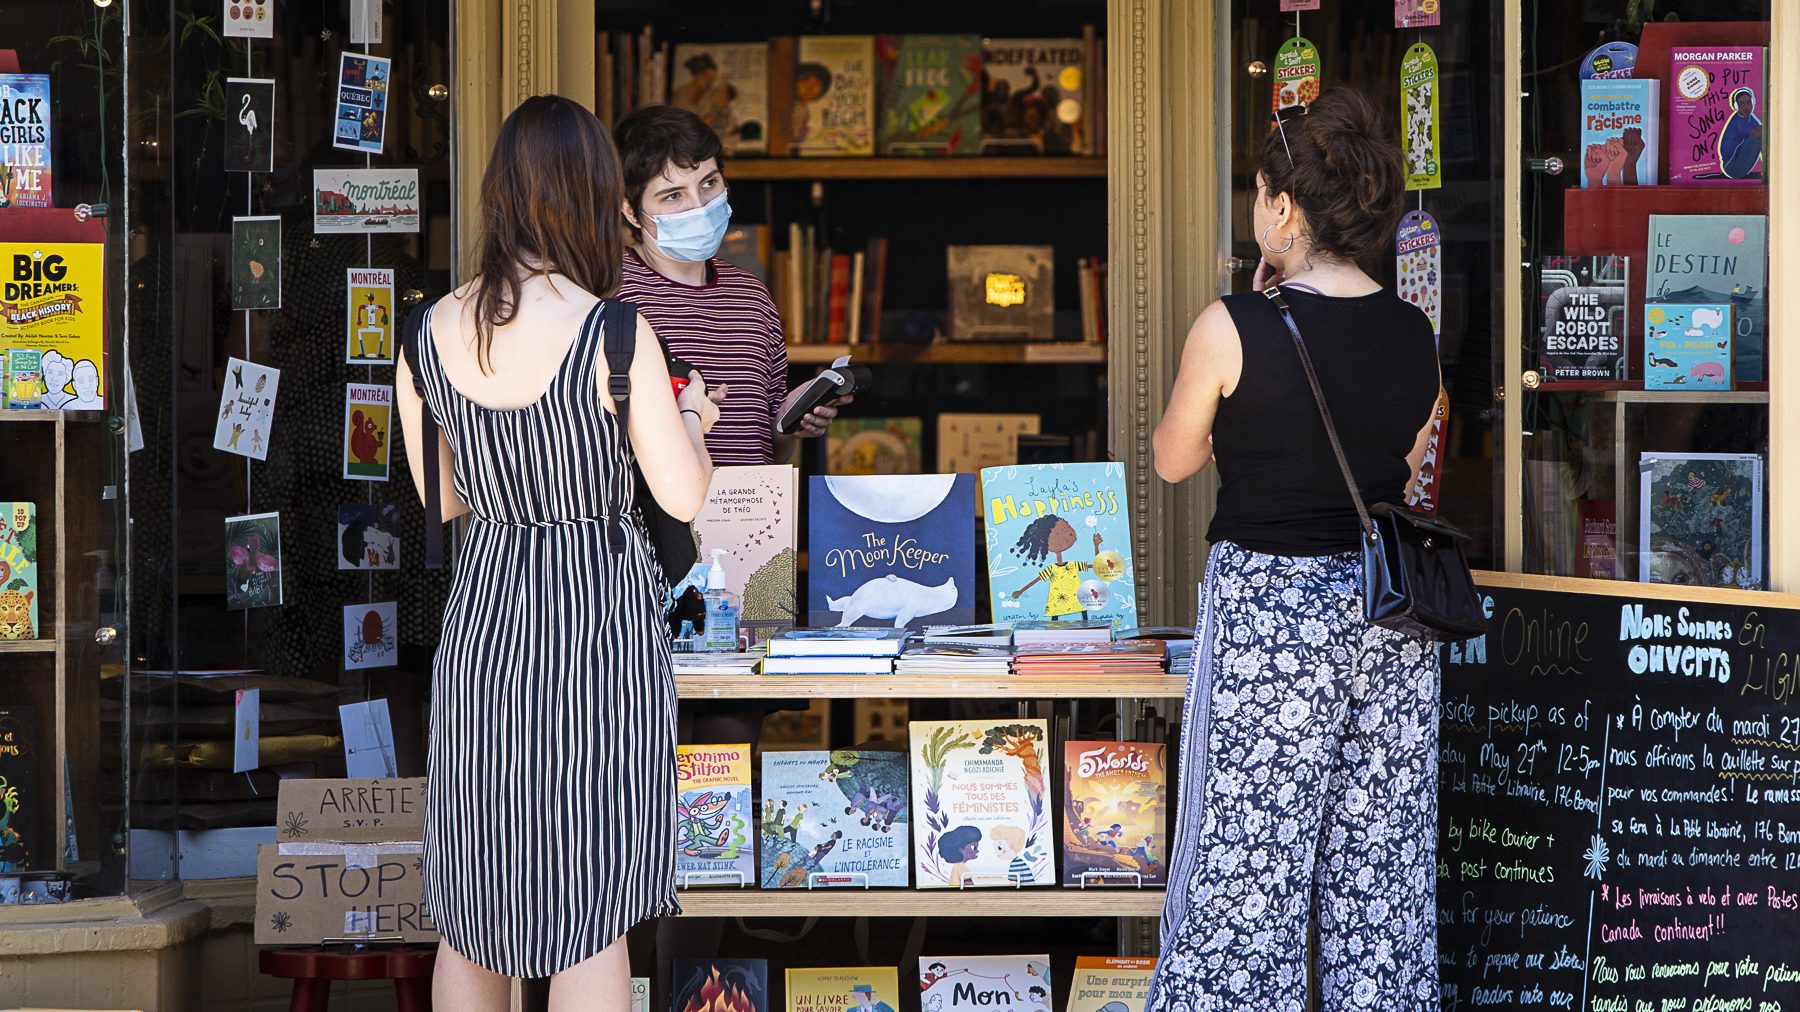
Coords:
1646,418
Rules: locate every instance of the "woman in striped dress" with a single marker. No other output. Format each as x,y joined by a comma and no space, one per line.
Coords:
549,822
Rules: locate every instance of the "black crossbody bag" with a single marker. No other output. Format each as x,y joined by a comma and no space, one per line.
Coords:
1416,579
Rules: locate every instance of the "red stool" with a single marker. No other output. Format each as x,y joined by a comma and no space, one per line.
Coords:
313,969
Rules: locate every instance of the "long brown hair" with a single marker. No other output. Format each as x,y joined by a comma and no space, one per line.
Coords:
549,201
1341,164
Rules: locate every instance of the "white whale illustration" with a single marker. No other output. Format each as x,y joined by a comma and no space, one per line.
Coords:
891,597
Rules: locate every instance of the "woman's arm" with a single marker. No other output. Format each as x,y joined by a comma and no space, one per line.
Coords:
1211,361
668,437
412,428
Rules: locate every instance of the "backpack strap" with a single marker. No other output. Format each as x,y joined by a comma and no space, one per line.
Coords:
618,322
434,506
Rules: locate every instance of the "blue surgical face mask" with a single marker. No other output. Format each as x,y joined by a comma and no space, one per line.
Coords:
693,235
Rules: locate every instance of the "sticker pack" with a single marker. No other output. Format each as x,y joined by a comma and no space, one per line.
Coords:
1418,263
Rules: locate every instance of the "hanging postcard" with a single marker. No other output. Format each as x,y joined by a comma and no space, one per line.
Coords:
1417,13
368,536
246,409
361,103
250,125
252,561
367,411
1419,117
1418,261
365,22
365,200
25,140
256,262
1296,75
249,19
369,315
1299,5
369,636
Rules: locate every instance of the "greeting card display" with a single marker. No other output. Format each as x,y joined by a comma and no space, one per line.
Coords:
253,561
361,103
368,409
368,536
256,262
369,316
249,125
246,409
248,19
1417,13
365,200
371,639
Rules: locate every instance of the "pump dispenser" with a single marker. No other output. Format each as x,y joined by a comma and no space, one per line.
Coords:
721,609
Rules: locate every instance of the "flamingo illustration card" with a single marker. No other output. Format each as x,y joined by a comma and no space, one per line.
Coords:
981,812
369,316
370,636
713,843
249,124
253,561
990,983
368,411
891,550
1059,544
361,103
246,409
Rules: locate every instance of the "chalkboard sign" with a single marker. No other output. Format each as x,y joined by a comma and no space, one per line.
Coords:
1619,828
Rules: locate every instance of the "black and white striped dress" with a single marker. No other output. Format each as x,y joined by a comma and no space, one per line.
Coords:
549,826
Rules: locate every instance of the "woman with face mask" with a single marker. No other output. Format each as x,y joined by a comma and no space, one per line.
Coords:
713,313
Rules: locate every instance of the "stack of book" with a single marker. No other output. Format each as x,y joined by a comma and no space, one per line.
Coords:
932,659
844,651
1037,634
993,637
1178,641
1129,657
695,663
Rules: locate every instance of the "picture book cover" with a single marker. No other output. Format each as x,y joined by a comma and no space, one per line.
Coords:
834,96
1419,114
1110,984
354,201
25,163
1700,519
1621,131
256,262
720,985
1058,542
890,550
1001,293
24,373
1034,97
967,443
1115,811
21,807
368,536
750,513
1713,258
875,446
713,845
371,635
727,85
246,409
369,316
361,103
1598,558
640,994
1687,347
253,561
844,989
928,94
1586,317
833,818
989,983
984,818
368,409
18,571
56,300
1717,105
249,124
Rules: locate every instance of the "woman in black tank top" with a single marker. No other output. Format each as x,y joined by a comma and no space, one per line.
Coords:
1309,738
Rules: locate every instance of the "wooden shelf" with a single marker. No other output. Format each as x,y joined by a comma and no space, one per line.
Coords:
27,646
693,686
1685,396
971,353
1045,167
1032,902
35,415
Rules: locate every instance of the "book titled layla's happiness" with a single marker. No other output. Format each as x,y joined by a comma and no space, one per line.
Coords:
712,815
1059,543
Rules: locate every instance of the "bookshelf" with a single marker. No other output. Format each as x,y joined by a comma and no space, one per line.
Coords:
925,687
971,353
1062,901
974,167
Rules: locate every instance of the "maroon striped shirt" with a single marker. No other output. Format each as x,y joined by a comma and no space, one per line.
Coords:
730,330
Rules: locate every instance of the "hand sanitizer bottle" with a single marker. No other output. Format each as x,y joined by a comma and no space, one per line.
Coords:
721,610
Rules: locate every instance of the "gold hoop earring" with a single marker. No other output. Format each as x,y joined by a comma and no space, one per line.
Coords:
1271,249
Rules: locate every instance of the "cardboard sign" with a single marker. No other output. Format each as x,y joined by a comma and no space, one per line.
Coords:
310,893
350,811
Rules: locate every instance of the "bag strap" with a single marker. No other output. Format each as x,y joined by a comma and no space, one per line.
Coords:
434,506
618,326
1273,294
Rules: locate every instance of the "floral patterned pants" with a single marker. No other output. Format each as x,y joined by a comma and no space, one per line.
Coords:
1309,786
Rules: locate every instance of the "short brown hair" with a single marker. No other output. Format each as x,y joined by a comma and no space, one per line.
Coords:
655,136
1342,166
549,201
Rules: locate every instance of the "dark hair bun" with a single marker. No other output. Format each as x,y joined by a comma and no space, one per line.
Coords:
1345,172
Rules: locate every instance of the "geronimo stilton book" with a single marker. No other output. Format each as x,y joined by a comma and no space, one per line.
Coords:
1059,543
712,813
891,550
1114,812
983,817
836,818
990,983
